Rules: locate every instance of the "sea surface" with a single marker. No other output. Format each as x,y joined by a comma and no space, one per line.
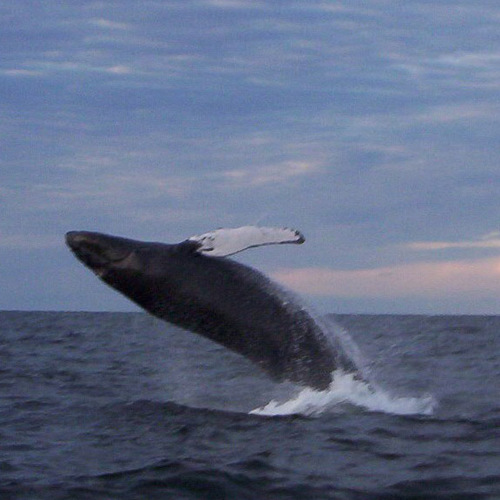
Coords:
123,406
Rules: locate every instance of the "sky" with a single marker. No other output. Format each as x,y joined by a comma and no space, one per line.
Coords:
372,126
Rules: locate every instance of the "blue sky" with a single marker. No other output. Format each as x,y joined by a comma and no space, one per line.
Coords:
372,126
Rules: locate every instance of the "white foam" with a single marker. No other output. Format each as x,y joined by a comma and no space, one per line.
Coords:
345,390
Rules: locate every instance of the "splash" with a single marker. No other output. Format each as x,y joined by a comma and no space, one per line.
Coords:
347,391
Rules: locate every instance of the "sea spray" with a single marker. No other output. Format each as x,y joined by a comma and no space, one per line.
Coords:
346,390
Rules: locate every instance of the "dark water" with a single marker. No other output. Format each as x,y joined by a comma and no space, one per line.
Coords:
113,405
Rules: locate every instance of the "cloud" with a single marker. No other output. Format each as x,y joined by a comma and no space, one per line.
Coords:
119,70
477,60
465,112
236,4
271,174
467,70
423,279
491,240
19,72
47,67
107,24
337,7
108,190
28,241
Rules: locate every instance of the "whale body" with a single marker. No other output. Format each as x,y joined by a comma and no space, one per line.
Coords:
218,298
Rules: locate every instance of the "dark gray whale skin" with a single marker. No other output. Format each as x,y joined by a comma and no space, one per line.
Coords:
219,298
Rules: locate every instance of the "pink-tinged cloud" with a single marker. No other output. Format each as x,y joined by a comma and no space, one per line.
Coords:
424,279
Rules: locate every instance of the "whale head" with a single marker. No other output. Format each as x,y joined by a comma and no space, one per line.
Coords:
103,253
137,269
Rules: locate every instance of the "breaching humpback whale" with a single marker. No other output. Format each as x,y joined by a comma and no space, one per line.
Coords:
193,285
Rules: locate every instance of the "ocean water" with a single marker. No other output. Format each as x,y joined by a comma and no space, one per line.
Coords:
122,406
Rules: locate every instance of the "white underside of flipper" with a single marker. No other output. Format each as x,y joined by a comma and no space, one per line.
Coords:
228,241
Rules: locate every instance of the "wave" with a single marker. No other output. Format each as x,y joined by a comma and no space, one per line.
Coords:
348,391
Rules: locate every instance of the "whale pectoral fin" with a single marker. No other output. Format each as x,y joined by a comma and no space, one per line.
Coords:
224,242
